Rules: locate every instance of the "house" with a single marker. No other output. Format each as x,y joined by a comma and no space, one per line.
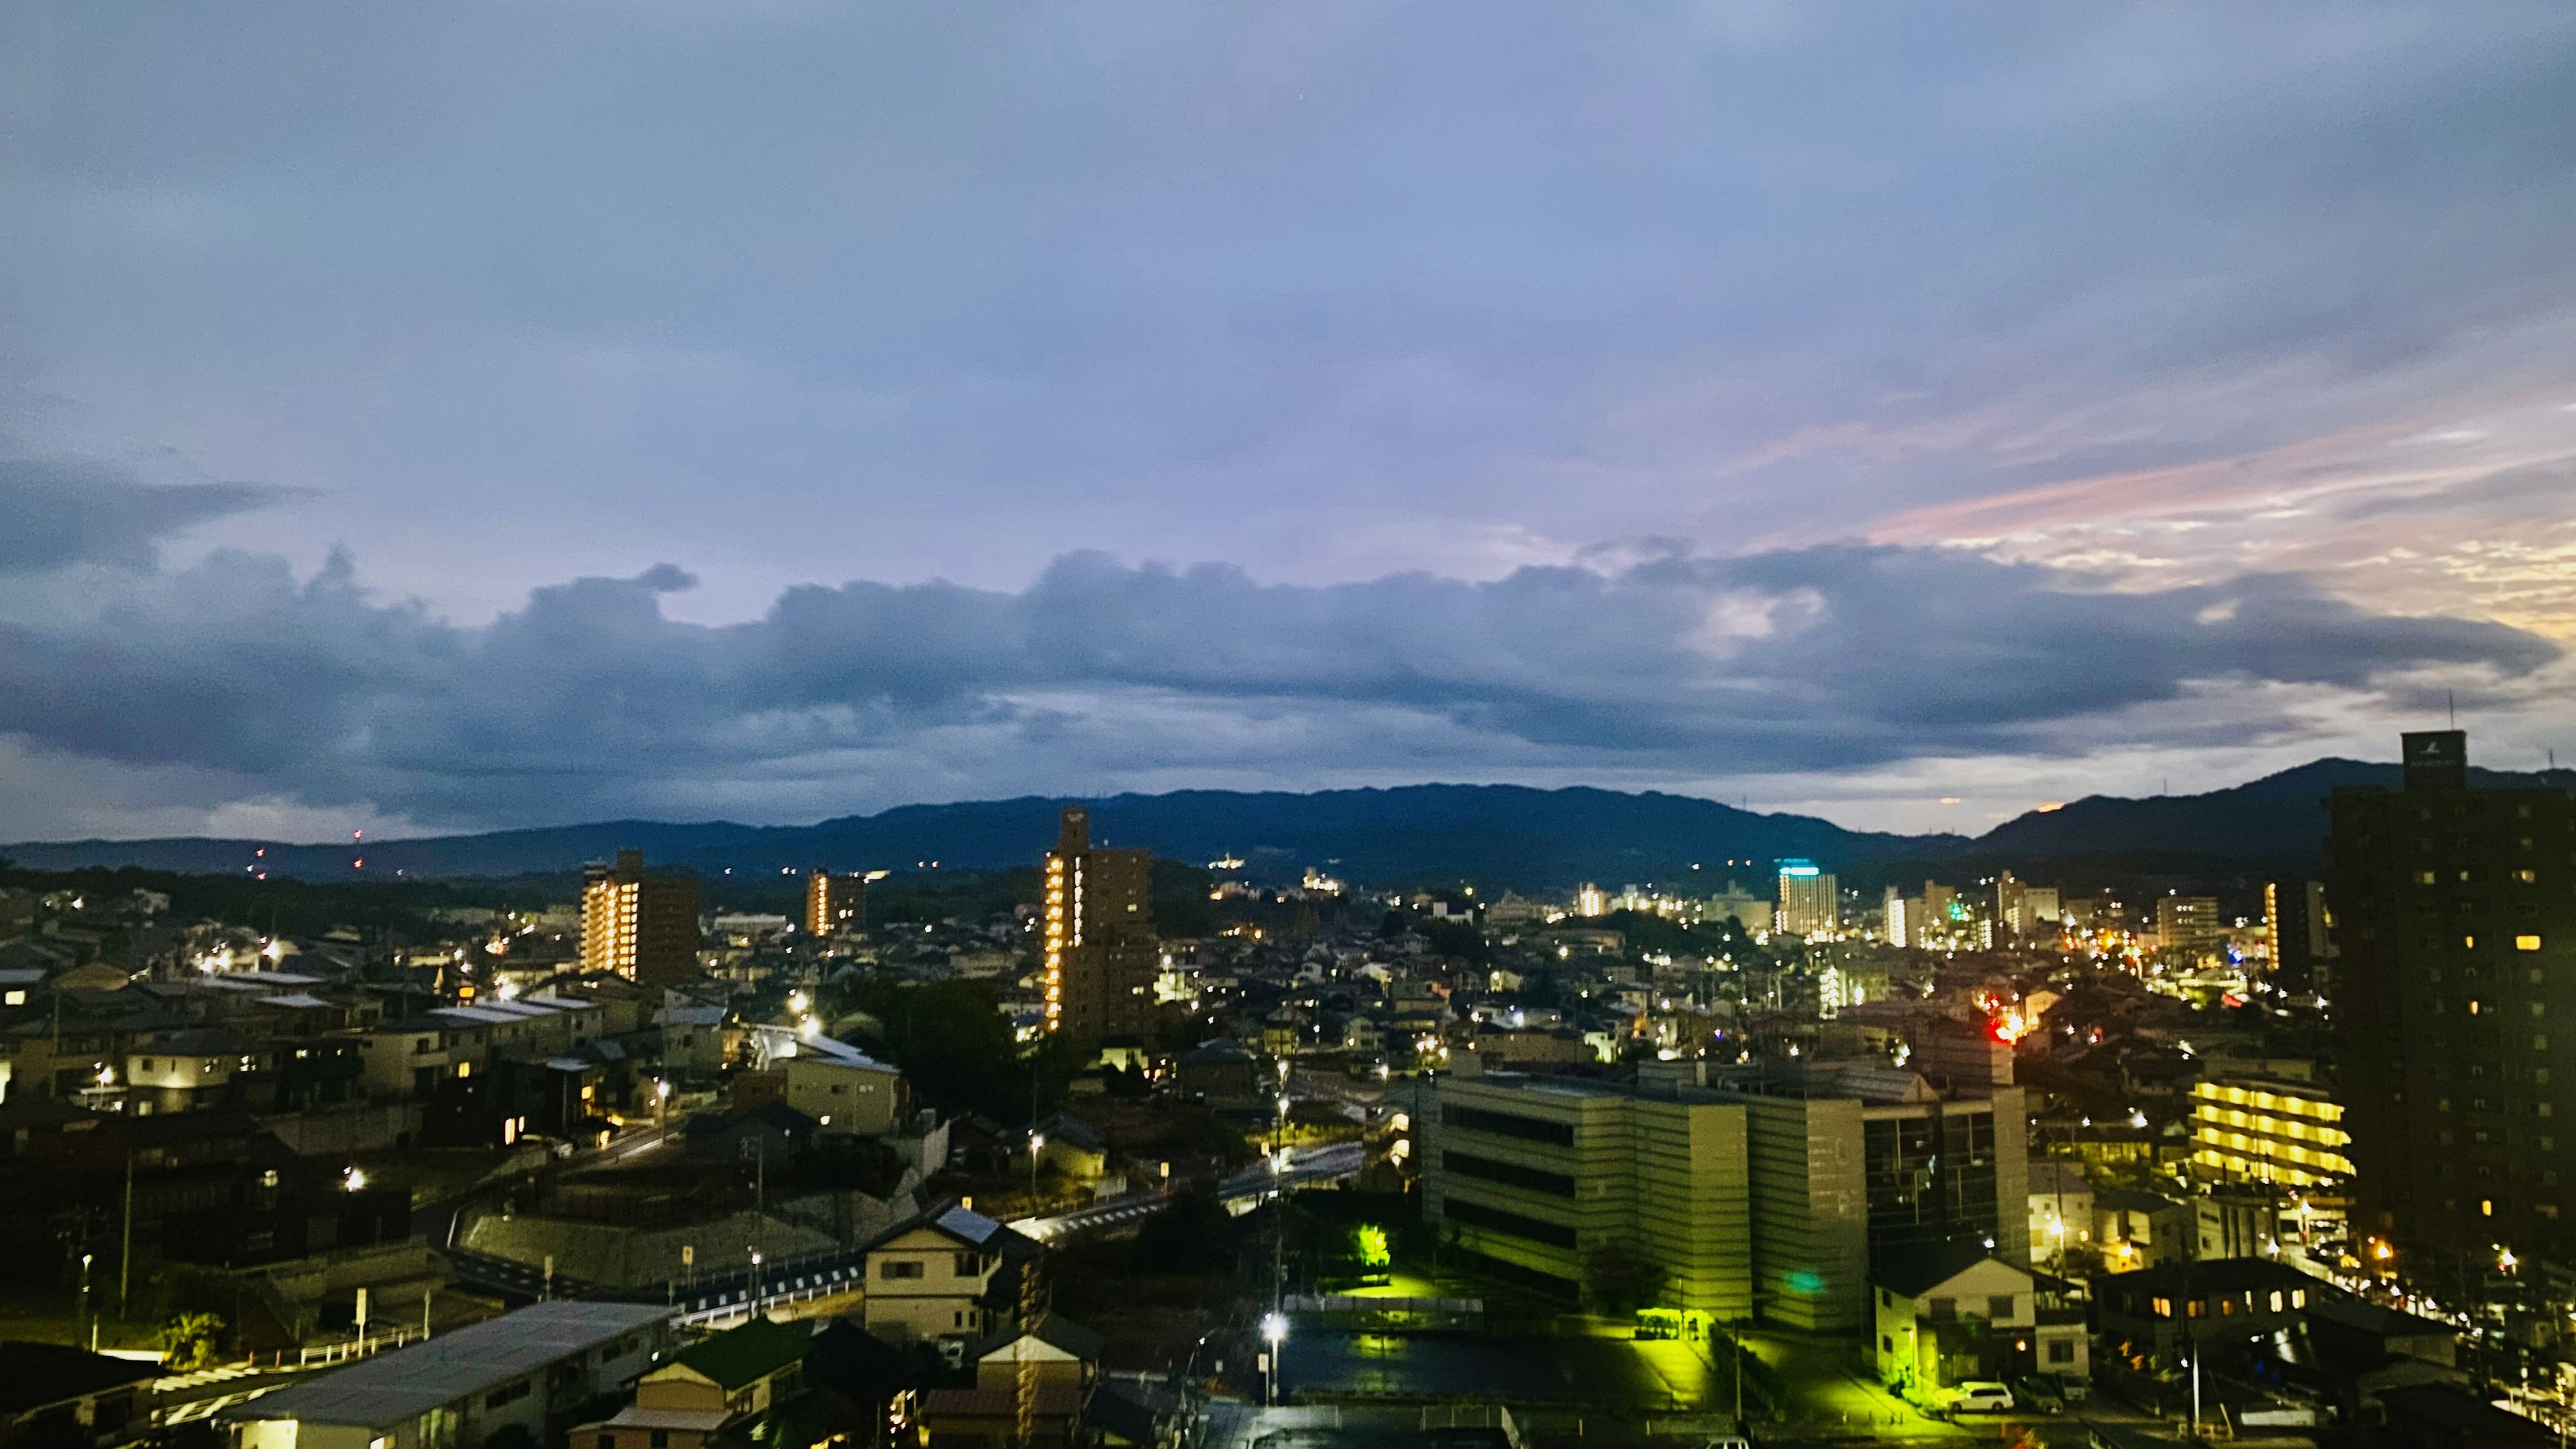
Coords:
530,1370
54,1396
737,1377
1949,1313
872,1377
1073,1147
943,1275
990,1418
1055,1362
2141,1230
845,1092
2061,1209
1221,1070
1056,1350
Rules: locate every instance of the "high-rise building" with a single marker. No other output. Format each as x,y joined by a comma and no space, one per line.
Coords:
2455,1006
1809,900
2023,908
835,902
642,927
1901,915
1101,951
2187,925
2300,932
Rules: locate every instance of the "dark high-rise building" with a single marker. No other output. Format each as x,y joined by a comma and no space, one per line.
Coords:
643,927
2455,1006
1101,951
835,903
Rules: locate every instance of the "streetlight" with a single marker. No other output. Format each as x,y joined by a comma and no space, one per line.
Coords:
662,1102
751,1296
81,1310
1274,1330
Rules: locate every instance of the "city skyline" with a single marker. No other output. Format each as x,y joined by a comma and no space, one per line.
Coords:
423,422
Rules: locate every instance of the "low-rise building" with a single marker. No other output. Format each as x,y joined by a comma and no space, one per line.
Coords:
943,1275
735,1378
534,1369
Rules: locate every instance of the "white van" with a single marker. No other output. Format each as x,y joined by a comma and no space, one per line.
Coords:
1980,1397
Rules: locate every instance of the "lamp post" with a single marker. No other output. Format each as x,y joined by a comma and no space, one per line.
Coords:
80,1310
1274,1331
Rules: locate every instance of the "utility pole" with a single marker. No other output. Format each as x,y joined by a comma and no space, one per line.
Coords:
125,1249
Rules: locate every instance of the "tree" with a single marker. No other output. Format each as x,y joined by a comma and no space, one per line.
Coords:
1191,1235
188,1340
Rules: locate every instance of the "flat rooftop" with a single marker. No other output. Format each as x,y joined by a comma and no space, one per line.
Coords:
412,1381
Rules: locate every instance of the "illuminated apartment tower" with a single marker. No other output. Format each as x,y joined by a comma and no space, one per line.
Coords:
835,902
642,927
1101,952
2456,1015
1809,900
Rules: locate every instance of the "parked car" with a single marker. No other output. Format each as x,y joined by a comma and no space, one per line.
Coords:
1728,1441
2040,1394
1982,1397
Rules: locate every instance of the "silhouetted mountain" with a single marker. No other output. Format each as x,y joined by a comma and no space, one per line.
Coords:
1494,834
1417,833
2277,820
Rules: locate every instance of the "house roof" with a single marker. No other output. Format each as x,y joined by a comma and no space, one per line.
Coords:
2128,1200
1916,1270
744,1355
966,1226
1053,1329
409,1382
33,1375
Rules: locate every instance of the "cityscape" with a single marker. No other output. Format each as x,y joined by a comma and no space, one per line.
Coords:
1121,1148
1707,725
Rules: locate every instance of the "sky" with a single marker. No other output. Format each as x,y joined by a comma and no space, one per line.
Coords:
421,418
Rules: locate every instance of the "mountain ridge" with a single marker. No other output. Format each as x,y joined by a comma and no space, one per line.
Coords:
1502,834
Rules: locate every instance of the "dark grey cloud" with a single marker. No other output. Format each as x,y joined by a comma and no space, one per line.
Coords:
1334,291
55,512
589,701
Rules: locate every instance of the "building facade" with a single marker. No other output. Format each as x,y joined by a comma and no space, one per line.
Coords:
835,903
2456,1004
641,927
1810,900
1101,951
1544,1176
2254,1129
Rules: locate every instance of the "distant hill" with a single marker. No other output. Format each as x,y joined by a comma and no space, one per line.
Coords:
1495,834
1418,833
2278,820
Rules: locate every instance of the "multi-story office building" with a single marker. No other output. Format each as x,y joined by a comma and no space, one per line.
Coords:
835,903
2187,925
642,927
1538,1175
1784,1188
1810,902
2255,1129
1101,951
2456,1008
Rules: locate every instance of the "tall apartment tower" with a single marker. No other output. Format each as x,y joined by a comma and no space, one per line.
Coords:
2455,1007
1810,900
834,902
644,928
1101,951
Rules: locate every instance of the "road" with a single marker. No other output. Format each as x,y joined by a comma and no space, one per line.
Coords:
1317,1164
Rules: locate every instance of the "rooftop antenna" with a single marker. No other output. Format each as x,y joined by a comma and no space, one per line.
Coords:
2451,702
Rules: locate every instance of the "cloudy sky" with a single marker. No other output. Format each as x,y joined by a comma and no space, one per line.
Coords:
420,417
